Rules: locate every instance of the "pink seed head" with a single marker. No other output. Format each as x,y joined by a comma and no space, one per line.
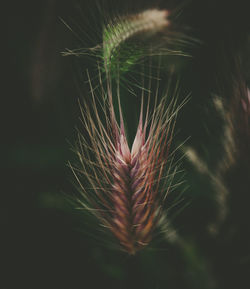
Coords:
128,185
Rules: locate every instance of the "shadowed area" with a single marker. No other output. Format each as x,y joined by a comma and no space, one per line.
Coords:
46,242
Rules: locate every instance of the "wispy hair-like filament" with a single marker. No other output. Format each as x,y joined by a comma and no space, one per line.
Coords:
129,38
125,187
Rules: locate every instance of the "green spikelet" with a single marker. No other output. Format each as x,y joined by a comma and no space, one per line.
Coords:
116,35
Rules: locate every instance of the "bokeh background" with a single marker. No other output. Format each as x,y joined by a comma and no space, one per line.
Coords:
45,242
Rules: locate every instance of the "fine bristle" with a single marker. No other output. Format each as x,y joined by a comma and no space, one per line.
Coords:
128,186
130,38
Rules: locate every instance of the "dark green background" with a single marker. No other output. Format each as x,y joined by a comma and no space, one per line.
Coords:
45,242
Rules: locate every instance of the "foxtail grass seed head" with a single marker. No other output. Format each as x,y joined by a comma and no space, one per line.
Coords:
128,39
148,22
125,187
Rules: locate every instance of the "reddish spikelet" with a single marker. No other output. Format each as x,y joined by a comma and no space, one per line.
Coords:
127,186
